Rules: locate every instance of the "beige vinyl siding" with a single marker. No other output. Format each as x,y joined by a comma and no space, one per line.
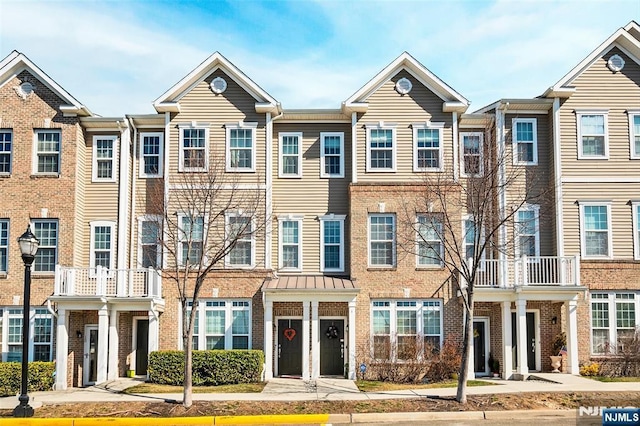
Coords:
201,105
552,225
80,187
310,195
387,105
621,217
599,88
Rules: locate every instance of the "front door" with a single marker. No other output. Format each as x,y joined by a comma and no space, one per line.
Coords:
142,346
290,347
531,341
480,346
90,363
331,347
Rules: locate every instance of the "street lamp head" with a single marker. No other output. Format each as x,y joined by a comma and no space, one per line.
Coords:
28,245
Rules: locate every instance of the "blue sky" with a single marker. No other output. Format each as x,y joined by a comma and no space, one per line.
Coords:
117,56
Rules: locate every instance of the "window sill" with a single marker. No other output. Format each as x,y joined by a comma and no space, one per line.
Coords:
37,275
45,176
5,175
382,268
430,268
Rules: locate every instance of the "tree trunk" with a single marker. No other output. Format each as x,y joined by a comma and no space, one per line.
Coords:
187,397
461,394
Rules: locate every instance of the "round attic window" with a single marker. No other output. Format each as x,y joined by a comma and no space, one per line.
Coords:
218,85
26,88
403,86
615,63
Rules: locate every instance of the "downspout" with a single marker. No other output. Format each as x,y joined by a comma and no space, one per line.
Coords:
502,195
165,201
50,309
557,171
456,174
354,148
269,188
123,187
133,191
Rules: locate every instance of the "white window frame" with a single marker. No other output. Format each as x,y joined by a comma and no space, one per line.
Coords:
182,240
214,304
15,312
463,226
112,159
241,126
583,247
181,149
609,297
416,149
605,115
159,252
4,245
323,220
3,151
298,157
463,171
37,153
535,208
247,237
289,218
371,241
515,142
160,155
420,239
323,155
393,149
635,153
43,246
92,249
635,212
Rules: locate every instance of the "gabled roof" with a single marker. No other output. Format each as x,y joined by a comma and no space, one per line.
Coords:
626,39
170,100
17,62
453,101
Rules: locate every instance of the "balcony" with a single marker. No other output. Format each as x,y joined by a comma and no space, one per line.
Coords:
103,282
529,272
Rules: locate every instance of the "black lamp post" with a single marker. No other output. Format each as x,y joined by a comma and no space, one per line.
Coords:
28,247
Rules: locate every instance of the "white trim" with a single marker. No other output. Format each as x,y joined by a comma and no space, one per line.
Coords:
92,248
422,239
612,308
635,213
603,179
463,172
354,147
182,239
193,126
606,204
632,135
251,239
298,156
323,173
35,152
605,116
323,220
487,345
268,204
535,208
299,220
10,152
463,227
158,220
536,327
515,142
393,149
229,127
226,187
85,349
428,126
125,170
557,171
56,248
114,155
455,142
393,241
142,156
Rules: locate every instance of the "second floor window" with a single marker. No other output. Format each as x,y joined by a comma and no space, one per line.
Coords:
291,243
150,245
6,139
592,135
525,141
47,151
635,209
191,239
290,155
193,149
427,148
430,248
527,231
241,148
332,155
471,154
104,158
381,149
102,244
240,230
595,230
382,240
151,152
634,134
46,231
332,243
4,245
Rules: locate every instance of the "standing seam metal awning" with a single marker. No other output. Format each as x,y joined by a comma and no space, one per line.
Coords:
309,283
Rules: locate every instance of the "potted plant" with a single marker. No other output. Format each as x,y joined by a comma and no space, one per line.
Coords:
494,365
557,349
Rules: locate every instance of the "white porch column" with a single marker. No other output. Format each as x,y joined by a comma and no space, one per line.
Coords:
571,308
153,331
521,335
103,350
305,340
352,340
62,348
315,340
507,344
112,368
268,340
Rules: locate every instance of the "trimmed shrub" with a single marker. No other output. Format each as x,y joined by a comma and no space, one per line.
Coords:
40,377
210,368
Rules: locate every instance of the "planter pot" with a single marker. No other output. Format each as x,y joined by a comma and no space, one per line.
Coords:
131,373
556,363
496,374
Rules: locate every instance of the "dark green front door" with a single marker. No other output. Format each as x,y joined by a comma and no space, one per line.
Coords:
142,347
531,341
332,347
479,347
290,347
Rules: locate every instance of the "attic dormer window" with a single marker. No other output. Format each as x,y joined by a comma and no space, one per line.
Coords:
403,86
218,85
615,63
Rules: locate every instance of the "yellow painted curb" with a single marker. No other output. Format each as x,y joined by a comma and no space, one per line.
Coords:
273,419
151,421
35,422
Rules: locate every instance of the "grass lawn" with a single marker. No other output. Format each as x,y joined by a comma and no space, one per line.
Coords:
155,388
613,379
374,386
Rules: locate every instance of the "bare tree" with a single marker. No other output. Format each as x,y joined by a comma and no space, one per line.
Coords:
207,221
457,222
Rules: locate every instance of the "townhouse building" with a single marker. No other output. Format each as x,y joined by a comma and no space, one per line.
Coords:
329,282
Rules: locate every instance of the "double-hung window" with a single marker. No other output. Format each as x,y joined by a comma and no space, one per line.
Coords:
527,231
151,155
222,324
47,152
332,243
241,147
593,135
102,244
331,154
240,235
595,230
290,243
150,252
290,155
429,239
635,211
42,335
4,246
471,154
194,148
525,141
191,238
382,240
46,231
6,140
469,237
634,133
614,319
381,148
14,335
427,147
104,156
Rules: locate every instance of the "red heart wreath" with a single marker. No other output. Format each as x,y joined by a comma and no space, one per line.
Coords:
289,333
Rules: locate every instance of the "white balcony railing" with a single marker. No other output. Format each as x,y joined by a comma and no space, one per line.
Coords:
100,281
529,271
